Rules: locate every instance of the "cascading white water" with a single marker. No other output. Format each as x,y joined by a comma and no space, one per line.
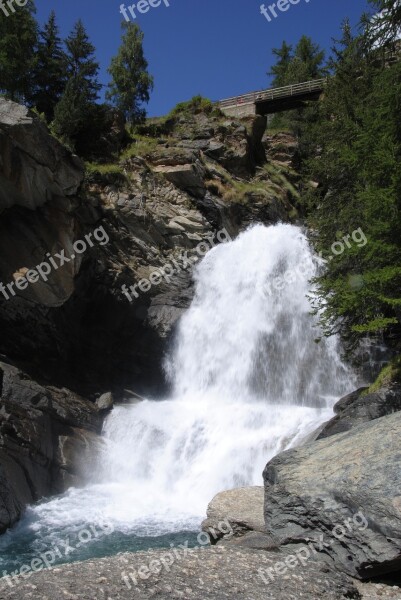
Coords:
249,380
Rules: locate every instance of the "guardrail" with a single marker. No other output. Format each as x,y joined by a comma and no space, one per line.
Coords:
287,91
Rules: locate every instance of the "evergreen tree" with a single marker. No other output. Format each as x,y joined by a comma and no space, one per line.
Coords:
75,107
81,64
359,142
280,69
307,62
49,75
18,41
384,28
131,82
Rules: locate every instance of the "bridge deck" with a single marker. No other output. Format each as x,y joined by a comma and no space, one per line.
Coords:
274,94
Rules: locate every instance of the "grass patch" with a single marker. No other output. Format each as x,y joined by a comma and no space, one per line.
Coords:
195,106
278,177
240,192
110,173
389,374
141,146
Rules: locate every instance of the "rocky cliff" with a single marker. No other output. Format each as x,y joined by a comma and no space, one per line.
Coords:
176,186
73,237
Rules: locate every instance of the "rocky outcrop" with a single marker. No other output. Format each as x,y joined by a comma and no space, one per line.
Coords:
343,493
154,209
242,507
48,441
34,167
361,407
217,573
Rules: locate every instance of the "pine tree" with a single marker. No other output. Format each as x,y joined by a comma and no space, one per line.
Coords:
81,64
280,69
75,107
131,82
49,75
307,62
359,140
18,41
384,28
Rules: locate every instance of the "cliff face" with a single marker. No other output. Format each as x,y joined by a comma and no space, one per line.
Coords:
48,438
78,328
71,238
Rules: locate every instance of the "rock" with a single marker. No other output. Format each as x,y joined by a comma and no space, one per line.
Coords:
345,488
34,167
188,177
242,507
217,573
359,407
152,207
105,402
46,434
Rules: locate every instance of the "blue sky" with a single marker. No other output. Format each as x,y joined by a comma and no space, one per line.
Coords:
217,48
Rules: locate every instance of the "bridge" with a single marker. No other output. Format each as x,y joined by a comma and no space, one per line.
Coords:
273,100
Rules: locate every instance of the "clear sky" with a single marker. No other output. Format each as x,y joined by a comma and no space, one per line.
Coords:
217,48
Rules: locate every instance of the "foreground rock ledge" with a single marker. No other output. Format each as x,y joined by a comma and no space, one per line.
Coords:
317,490
218,573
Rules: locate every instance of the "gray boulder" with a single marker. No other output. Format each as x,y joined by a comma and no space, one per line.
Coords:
342,494
34,167
359,407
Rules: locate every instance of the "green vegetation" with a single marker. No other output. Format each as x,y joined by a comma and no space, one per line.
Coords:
60,80
391,373
131,82
18,41
141,146
195,106
296,65
105,174
350,143
49,71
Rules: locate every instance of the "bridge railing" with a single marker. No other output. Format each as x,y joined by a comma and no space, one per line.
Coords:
271,94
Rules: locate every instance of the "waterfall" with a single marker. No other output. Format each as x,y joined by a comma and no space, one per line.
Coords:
249,379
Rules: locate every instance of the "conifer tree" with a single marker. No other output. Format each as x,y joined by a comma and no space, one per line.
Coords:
76,104
280,69
49,75
18,42
131,83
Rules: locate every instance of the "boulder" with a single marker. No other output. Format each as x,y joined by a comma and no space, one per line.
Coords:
105,402
360,407
34,167
242,507
343,494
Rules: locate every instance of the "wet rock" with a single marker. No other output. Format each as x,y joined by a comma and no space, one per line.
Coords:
105,402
